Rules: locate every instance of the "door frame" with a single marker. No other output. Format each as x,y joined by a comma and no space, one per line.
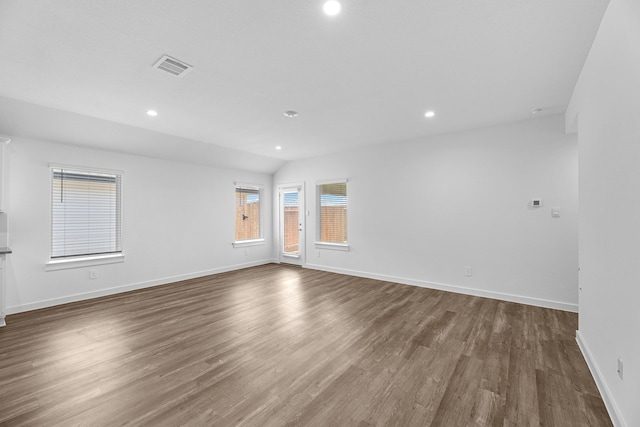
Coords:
302,213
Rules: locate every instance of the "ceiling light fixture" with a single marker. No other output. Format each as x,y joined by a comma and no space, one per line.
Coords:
429,114
278,147
152,113
332,7
291,114
537,111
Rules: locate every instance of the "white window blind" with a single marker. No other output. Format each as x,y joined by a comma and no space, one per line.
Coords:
85,213
333,212
248,213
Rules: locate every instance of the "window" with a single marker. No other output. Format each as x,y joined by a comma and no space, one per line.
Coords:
248,213
86,213
332,200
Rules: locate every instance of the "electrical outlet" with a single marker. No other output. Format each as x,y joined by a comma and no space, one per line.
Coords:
318,254
620,366
468,271
93,274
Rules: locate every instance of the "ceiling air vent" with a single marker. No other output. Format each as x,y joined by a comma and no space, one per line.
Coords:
172,66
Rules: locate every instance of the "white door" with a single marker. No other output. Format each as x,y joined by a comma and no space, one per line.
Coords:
291,202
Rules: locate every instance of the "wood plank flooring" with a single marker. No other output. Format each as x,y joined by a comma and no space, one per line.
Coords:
284,346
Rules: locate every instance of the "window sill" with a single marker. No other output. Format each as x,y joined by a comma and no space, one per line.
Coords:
297,256
245,243
64,264
332,246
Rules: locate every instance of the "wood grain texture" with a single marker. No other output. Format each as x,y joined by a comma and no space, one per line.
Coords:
284,346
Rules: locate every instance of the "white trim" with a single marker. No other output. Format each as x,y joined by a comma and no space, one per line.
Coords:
612,408
538,302
245,243
63,264
332,246
261,196
88,169
329,245
118,173
3,293
248,185
331,181
296,256
131,287
300,257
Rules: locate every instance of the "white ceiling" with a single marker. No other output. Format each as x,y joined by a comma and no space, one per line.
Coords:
363,77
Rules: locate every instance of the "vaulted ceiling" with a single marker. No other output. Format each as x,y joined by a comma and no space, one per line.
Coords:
72,69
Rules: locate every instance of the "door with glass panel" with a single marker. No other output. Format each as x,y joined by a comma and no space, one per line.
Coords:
292,214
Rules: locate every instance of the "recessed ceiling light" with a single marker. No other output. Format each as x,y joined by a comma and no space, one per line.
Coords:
278,147
537,111
152,113
290,113
332,7
429,114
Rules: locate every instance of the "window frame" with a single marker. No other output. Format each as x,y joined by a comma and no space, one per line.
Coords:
250,242
78,261
319,244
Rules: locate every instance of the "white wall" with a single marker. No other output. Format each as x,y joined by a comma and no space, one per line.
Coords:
606,107
419,212
178,222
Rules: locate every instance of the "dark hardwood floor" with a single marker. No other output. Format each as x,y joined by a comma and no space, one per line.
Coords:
278,346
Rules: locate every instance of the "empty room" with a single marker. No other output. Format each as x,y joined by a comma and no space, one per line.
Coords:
319,213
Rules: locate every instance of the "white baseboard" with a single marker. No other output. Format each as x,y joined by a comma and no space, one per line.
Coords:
612,408
421,283
131,287
451,288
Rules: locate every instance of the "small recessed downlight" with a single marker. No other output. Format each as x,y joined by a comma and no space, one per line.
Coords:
429,114
290,113
152,113
278,147
332,7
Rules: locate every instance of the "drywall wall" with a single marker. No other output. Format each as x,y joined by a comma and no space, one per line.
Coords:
604,109
421,211
178,222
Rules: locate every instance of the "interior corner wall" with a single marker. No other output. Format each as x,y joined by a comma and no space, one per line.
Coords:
607,103
178,223
419,212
